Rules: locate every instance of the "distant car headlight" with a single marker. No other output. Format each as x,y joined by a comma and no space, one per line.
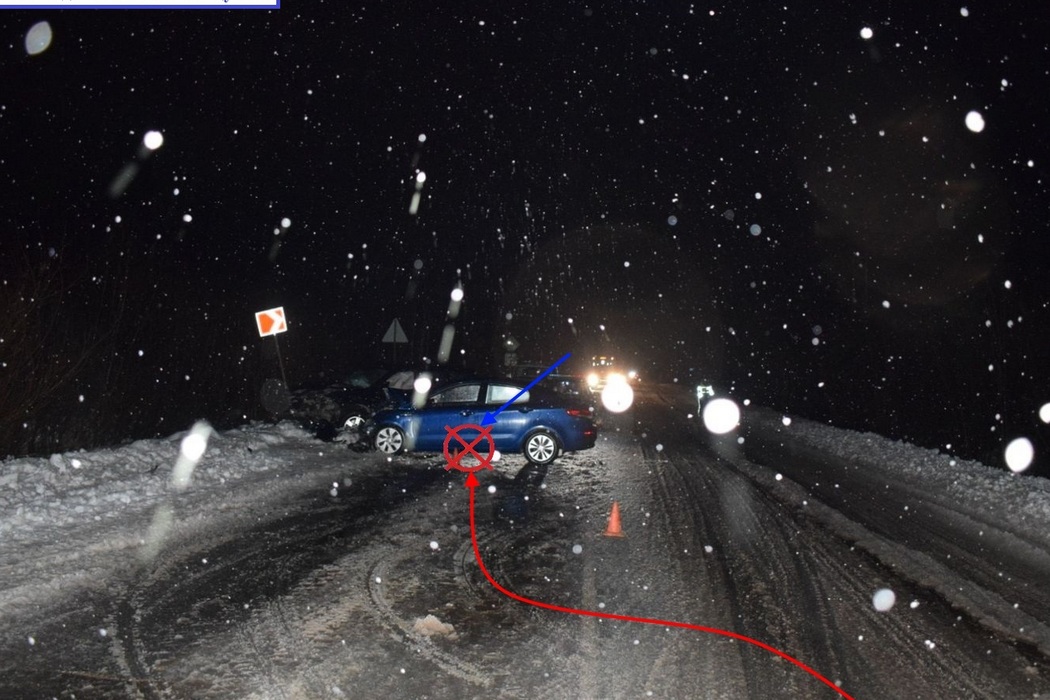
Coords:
592,379
632,375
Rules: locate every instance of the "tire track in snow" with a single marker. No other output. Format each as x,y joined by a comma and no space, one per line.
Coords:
380,575
836,561
758,576
924,537
227,592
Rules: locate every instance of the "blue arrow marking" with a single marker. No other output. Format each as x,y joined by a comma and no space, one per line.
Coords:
490,417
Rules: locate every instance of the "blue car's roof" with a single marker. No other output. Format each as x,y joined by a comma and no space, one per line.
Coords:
538,395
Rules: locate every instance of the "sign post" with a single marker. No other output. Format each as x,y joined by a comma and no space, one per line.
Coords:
271,322
510,355
396,335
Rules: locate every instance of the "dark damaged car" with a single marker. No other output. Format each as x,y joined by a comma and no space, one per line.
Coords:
343,406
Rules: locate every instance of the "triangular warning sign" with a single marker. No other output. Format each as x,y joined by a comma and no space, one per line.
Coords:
395,334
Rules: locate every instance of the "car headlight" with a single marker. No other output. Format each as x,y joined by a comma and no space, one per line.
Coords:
592,379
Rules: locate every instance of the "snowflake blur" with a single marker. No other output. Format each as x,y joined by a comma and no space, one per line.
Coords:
721,416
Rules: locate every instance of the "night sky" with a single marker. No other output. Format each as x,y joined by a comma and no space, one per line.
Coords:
749,193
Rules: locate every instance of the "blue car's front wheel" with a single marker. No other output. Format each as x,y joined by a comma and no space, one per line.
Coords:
390,440
540,448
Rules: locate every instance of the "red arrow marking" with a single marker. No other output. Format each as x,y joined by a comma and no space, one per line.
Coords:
472,484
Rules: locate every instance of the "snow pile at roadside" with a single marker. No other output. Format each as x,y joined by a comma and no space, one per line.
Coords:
54,509
1001,517
84,487
1014,501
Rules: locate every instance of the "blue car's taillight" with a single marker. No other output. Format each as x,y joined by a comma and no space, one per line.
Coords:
579,412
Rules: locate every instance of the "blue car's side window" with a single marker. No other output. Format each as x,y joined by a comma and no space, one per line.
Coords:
500,394
468,393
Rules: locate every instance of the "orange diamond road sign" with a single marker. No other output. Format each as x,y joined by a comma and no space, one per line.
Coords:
271,321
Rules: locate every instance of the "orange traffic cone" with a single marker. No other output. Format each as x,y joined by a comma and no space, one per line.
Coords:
613,529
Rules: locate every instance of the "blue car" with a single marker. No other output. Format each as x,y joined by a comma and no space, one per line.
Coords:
539,424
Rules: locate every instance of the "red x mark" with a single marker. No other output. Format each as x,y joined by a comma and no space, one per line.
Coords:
468,448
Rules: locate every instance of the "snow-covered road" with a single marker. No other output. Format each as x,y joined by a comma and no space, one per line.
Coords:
292,568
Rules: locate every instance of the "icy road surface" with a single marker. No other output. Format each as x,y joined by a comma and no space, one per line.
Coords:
292,568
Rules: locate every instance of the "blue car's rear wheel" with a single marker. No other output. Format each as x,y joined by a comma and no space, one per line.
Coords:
390,440
540,448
